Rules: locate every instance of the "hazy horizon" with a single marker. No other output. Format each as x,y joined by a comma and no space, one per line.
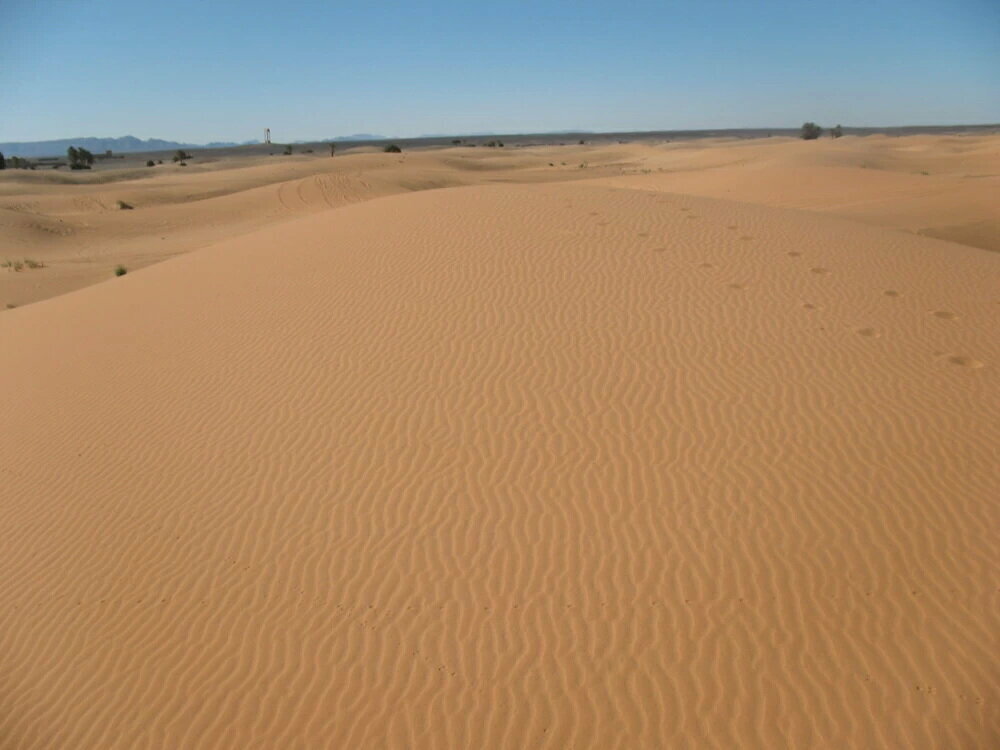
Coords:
199,74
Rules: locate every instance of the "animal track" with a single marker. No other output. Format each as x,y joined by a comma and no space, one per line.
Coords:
820,271
944,315
891,293
746,237
706,265
868,332
794,253
809,306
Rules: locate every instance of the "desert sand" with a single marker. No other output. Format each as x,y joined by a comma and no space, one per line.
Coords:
693,446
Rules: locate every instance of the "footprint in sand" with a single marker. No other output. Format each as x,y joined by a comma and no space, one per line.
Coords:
737,286
643,234
870,333
820,271
944,315
891,293
732,227
706,265
746,237
794,254
810,306
692,216
960,360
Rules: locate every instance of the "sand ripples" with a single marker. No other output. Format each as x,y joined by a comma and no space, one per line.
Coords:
470,469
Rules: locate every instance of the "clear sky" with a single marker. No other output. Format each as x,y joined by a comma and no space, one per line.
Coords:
204,70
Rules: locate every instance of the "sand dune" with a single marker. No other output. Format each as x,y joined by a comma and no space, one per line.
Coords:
541,465
939,186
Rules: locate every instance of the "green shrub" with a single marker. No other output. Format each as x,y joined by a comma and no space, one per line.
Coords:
181,155
150,163
123,206
811,131
120,270
392,148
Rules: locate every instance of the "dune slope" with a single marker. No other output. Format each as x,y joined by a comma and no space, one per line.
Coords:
513,466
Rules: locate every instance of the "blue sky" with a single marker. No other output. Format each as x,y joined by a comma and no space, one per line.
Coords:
220,70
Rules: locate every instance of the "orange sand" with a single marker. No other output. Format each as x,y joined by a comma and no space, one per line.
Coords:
574,462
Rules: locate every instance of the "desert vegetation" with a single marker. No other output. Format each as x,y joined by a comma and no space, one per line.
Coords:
181,155
392,148
120,270
836,132
20,265
79,158
811,131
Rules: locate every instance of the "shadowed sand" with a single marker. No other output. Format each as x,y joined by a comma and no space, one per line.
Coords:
567,464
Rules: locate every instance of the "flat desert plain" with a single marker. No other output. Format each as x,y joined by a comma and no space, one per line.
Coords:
680,445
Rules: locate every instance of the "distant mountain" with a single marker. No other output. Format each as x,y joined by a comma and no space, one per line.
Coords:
360,137
124,144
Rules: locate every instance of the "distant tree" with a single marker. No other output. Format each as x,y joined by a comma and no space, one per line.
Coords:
150,163
456,141
288,150
79,158
181,155
3,162
582,141
333,148
811,131
392,148
836,132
